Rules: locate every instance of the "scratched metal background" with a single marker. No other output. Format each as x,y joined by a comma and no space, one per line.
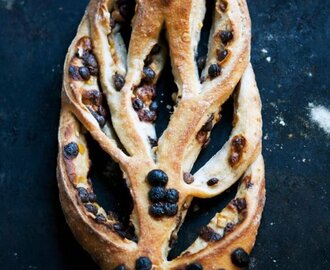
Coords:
290,54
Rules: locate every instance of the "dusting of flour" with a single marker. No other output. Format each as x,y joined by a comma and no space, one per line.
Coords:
321,116
8,4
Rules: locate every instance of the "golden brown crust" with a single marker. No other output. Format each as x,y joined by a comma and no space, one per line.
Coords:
96,65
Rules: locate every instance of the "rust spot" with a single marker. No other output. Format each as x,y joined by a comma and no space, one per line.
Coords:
188,178
236,149
209,235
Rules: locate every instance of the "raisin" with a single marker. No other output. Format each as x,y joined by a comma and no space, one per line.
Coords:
153,106
137,104
229,227
240,204
201,62
100,218
157,194
91,208
143,263
120,267
118,81
83,194
172,195
214,70
84,73
188,178
71,150
226,36
171,209
149,74
146,115
157,178
240,258
92,197
221,55
212,181
209,235
194,266
74,73
157,210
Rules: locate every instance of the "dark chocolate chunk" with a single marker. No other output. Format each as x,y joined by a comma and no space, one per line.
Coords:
209,235
84,73
240,258
172,195
149,74
171,209
71,150
157,194
212,181
188,178
91,208
157,178
194,266
143,263
157,210
226,36
118,81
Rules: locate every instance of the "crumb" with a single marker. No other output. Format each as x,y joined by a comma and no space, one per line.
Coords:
321,116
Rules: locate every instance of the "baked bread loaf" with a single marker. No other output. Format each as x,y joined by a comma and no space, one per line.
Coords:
109,91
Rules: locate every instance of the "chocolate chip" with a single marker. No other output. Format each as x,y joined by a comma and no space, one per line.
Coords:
209,235
155,49
226,36
100,218
153,106
172,195
194,266
118,81
83,194
157,210
92,197
188,178
221,55
157,194
71,150
171,209
214,70
201,62
212,181
120,267
153,142
84,73
91,208
149,74
143,263
157,178
240,204
137,104
240,258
